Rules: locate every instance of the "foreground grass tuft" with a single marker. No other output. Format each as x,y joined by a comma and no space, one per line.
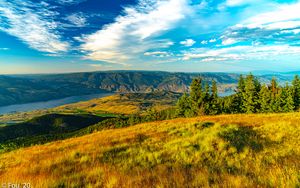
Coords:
226,151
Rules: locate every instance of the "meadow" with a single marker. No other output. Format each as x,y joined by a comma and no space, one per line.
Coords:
117,104
128,103
259,150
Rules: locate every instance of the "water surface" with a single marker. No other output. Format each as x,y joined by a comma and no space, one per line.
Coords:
48,104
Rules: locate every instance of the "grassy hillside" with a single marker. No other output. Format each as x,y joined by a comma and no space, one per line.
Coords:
48,124
73,120
227,150
130,103
19,117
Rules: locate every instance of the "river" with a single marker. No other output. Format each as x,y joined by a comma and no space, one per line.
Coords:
48,104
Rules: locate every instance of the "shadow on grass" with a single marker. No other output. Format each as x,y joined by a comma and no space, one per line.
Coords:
115,155
243,137
203,125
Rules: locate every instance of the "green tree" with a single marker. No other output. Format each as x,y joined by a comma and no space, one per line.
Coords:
296,92
287,99
206,100
183,107
196,96
237,105
214,90
274,86
264,99
214,106
250,95
278,101
275,96
241,84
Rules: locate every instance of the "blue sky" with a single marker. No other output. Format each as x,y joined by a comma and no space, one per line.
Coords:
53,36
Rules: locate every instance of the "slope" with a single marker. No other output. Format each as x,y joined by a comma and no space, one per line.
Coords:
129,103
227,150
32,88
48,124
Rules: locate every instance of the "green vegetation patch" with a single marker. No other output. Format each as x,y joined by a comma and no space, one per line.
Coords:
217,149
46,128
244,137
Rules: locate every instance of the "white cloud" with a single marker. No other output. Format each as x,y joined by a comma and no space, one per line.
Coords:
188,42
33,27
212,40
69,2
96,65
229,41
207,54
204,42
279,23
280,14
77,20
241,53
129,34
157,54
283,16
232,3
293,31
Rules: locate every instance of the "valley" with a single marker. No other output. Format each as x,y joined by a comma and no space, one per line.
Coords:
20,89
149,94
158,138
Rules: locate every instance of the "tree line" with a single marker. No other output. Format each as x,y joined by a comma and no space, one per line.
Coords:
251,96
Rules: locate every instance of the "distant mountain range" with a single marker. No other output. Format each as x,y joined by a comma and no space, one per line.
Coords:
17,89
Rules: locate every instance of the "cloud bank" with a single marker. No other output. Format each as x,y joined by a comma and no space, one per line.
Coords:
32,24
135,31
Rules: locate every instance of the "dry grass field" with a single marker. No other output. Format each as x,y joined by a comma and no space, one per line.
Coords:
112,104
130,103
210,151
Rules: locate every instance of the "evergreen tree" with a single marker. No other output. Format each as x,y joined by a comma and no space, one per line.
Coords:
206,99
183,107
275,96
264,99
241,84
296,92
214,90
287,99
228,104
278,101
274,86
206,93
196,96
215,106
257,84
237,105
250,95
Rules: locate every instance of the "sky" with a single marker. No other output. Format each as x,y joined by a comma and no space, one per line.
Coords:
55,36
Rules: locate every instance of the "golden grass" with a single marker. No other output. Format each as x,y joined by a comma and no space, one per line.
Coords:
120,104
112,104
130,103
210,151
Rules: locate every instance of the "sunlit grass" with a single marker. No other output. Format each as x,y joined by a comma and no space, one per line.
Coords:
227,150
131,103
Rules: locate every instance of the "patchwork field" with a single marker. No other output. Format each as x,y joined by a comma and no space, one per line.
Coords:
227,151
130,103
